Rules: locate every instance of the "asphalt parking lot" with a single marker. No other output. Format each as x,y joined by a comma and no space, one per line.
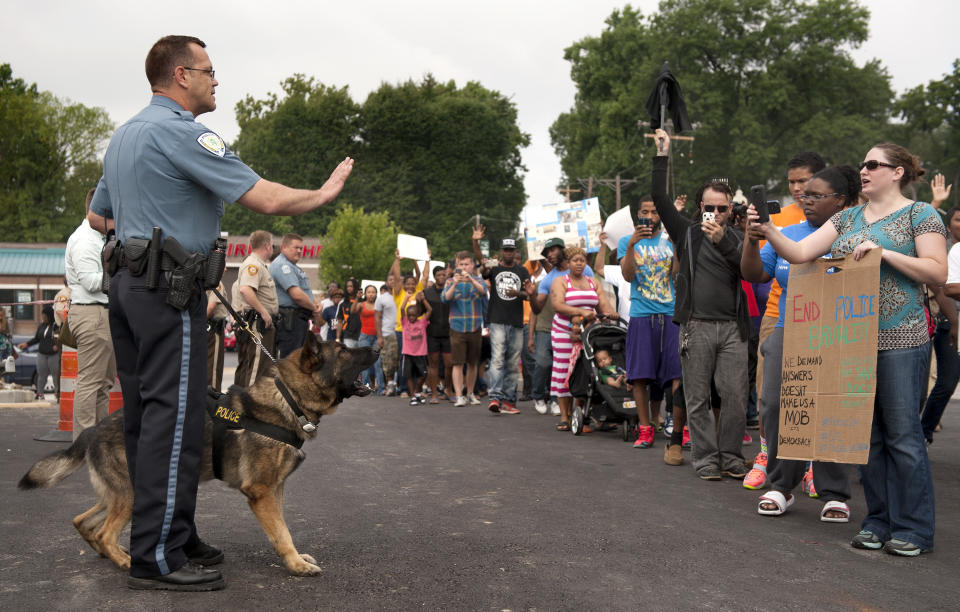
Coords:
443,508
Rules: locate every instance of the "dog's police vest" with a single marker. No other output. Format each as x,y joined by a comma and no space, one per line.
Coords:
225,418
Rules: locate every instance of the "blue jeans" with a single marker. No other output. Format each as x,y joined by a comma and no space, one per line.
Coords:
897,483
948,373
505,344
543,367
528,359
376,370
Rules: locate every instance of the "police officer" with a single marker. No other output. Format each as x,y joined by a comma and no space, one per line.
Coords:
216,329
256,295
163,169
296,304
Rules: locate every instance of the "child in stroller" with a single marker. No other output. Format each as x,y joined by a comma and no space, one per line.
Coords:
598,380
610,373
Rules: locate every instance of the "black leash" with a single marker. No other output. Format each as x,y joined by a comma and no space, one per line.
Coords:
305,424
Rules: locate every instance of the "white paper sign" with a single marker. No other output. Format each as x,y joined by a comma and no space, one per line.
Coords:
365,283
614,276
618,225
412,247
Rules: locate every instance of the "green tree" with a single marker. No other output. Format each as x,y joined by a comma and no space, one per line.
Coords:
431,154
764,79
296,139
438,155
931,128
48,160
357,243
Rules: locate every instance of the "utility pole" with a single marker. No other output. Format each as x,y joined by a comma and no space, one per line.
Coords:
567,191
615,183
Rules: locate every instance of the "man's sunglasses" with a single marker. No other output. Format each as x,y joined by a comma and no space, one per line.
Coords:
711,208
872,164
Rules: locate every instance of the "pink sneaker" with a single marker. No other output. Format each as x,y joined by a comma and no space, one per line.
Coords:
757,477
645,437
747,439
686,438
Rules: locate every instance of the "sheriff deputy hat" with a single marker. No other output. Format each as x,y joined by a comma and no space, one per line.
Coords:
553,242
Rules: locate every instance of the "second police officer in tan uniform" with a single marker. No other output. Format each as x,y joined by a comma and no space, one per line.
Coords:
256,298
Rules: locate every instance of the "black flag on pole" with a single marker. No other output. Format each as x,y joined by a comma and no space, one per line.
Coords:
666,98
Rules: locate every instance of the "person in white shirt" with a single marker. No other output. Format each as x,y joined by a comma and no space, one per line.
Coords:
89,321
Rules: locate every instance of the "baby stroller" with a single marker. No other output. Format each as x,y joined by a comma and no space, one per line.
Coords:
604,403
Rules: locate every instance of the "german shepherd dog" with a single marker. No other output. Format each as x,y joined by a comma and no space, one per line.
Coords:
320,375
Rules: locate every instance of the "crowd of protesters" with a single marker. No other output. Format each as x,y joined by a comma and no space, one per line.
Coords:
704,330
702,304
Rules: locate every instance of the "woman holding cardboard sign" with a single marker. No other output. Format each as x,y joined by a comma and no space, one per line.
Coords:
826,193
897,483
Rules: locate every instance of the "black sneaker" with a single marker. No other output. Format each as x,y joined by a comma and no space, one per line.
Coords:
738,471
190,577
709,473
753,423
866,540
902,548
205,555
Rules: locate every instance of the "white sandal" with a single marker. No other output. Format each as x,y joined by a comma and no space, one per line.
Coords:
777,499
835,506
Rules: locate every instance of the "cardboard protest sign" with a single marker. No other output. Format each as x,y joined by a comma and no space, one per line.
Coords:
412,247
830,359
577,223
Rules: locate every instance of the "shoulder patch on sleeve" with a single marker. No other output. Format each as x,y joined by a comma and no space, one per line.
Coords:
213,143
285,268
252,270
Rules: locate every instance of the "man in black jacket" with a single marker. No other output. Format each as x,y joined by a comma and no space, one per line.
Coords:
713,319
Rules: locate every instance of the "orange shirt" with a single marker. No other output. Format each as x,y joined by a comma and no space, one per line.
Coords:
789,215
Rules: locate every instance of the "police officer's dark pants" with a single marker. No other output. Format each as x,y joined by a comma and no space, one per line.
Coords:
830,479
289,341
161,362
215,358
251,362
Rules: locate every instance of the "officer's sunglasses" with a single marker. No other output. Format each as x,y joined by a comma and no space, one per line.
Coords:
211,72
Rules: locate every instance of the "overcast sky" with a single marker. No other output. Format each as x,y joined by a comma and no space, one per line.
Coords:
92,51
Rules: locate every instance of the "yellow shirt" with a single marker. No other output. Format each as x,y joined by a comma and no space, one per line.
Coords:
398,299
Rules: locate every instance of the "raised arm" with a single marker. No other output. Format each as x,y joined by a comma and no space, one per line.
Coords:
269,198
808,249
675,223
751,265
395,271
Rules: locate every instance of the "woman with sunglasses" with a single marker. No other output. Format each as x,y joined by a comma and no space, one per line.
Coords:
826,193
897,483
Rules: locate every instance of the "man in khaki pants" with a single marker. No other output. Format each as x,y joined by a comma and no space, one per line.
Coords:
89,321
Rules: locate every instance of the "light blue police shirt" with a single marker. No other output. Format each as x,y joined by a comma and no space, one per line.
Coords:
164,169
287,274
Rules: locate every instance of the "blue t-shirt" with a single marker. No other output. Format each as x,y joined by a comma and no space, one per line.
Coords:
547,281
164,169
651,290
778,267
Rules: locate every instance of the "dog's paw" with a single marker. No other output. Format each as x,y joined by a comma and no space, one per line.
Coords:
303,568
309,559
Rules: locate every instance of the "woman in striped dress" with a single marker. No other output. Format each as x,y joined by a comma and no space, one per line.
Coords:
573,295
